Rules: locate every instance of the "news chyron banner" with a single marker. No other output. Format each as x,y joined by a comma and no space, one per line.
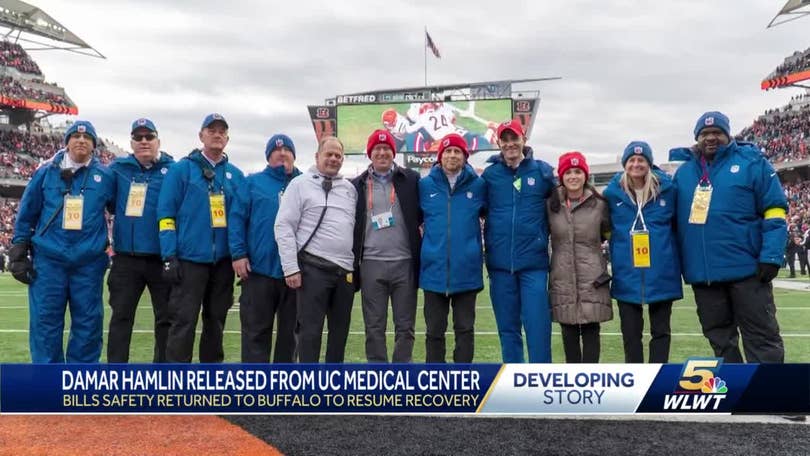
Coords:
699,385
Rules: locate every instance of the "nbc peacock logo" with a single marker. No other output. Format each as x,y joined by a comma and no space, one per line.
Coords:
715,385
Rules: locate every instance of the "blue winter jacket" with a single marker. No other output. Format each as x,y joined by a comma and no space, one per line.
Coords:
184,210
250,226
516,230
39,218
452,256
746,219
662,280
138,235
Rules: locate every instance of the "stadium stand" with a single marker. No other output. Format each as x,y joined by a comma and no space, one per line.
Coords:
798,62
782,134
12,88
14,56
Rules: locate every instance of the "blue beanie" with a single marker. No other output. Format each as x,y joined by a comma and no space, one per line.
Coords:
637,148
279,140
81,126
713,119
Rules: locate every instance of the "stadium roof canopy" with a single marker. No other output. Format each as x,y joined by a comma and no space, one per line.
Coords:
28,22
793,9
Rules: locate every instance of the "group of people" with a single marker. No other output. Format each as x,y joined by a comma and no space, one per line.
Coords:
301,243
13,88
799,61
782,136
14,56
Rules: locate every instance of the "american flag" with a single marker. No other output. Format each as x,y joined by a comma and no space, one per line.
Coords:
432,46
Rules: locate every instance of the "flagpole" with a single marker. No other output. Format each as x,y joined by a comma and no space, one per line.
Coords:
424,48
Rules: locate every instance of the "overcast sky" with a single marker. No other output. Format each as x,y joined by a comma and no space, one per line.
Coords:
631,69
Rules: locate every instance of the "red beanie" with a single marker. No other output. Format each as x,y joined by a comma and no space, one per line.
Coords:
570,160
452,139
381,137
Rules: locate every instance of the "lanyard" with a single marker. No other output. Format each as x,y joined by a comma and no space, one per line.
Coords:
84,181
392,197
704,178
639,216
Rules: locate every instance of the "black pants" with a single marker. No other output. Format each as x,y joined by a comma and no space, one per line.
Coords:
437,307
263,300
209,286
728,309
588,335
324,293
632,316
128,277
791,261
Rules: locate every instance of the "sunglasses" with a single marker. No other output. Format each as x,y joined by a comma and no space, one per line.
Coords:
148,137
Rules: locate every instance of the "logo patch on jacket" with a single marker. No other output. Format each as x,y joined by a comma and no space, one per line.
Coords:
469,195
530,180
228,175
96,178
735,168
164,170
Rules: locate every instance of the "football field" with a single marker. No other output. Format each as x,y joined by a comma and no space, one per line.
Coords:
793,313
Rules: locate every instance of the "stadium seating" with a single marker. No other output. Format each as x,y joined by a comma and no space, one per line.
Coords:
798,62
782,134
14,56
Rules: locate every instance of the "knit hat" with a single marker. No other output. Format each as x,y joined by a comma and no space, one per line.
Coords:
381,137
713,119
278,141
81,126
637,148
143,123
512,125
570,160
452,139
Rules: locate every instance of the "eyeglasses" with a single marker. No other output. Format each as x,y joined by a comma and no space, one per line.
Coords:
148,137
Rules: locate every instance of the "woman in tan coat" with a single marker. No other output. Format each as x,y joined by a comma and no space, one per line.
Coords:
578,286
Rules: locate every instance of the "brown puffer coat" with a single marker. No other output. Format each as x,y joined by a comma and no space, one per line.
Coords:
576,260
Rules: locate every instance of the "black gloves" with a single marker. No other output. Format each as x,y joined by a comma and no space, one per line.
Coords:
171,271
767,272
19,264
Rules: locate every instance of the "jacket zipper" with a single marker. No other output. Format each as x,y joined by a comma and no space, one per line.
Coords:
450,197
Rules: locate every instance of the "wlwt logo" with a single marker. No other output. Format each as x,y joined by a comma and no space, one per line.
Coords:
699,389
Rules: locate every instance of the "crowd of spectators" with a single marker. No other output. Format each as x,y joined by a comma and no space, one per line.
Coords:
14,56
21,153
8,211
782,135
12,88
798,195
796,63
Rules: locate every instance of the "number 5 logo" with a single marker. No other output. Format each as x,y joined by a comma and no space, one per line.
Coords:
696,371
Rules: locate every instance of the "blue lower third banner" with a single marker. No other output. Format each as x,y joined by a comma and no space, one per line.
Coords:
700,385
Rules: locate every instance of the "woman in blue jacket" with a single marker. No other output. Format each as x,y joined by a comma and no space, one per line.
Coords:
643,251
452,198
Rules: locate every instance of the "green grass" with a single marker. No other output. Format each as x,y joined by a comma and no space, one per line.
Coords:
356,122
793,314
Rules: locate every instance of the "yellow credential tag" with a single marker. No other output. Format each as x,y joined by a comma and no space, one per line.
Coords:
517,184
136,200
641,249
72,212
700,205
218,219
349,277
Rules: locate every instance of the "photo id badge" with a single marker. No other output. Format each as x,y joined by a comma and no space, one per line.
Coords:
218,219
700,205
382,221
136,200
72,212
641,249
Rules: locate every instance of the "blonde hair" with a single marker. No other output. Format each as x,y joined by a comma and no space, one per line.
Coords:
648,192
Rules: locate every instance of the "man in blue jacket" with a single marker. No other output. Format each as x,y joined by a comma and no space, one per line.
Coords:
452,198
516,239
61,225
197,194
732,234
265,295
137,263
